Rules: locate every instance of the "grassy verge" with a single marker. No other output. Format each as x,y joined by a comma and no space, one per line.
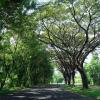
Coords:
93,91
9,90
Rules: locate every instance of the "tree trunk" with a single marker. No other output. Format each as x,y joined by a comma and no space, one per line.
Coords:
84,77
73,78
65,78
69,79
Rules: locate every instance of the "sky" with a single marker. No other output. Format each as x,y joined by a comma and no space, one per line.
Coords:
43,1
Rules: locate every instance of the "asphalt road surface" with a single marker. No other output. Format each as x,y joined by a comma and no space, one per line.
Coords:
44,93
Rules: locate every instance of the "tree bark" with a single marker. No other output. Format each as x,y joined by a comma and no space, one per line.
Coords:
69,78
83,77
65,78
73,78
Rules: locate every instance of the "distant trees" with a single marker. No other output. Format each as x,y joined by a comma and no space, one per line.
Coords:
92,69
95,69
65,67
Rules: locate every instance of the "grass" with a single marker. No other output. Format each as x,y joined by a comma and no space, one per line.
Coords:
93,91
9,90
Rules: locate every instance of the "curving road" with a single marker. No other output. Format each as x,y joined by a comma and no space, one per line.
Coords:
44,93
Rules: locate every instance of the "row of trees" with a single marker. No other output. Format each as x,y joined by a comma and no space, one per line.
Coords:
71,27
24,61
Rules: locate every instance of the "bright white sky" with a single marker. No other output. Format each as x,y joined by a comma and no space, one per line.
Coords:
38,2
88,59
43,1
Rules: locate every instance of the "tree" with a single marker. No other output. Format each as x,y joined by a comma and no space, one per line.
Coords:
66,67
95,69
72,27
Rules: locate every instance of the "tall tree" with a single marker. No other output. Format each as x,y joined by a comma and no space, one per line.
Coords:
72,27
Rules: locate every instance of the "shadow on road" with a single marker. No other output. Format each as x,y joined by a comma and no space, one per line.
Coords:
43,94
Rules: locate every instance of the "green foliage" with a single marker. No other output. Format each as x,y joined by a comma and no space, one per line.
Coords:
95,69
24,61
6,90
69,27
57,77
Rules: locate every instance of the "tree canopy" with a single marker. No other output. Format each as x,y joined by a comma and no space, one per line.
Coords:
71,27
30,32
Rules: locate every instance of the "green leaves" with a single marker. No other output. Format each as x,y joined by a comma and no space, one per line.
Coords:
23,59
93,69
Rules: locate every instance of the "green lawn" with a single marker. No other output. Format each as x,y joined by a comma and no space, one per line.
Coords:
93,91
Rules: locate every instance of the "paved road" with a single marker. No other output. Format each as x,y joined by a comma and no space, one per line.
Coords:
47,93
